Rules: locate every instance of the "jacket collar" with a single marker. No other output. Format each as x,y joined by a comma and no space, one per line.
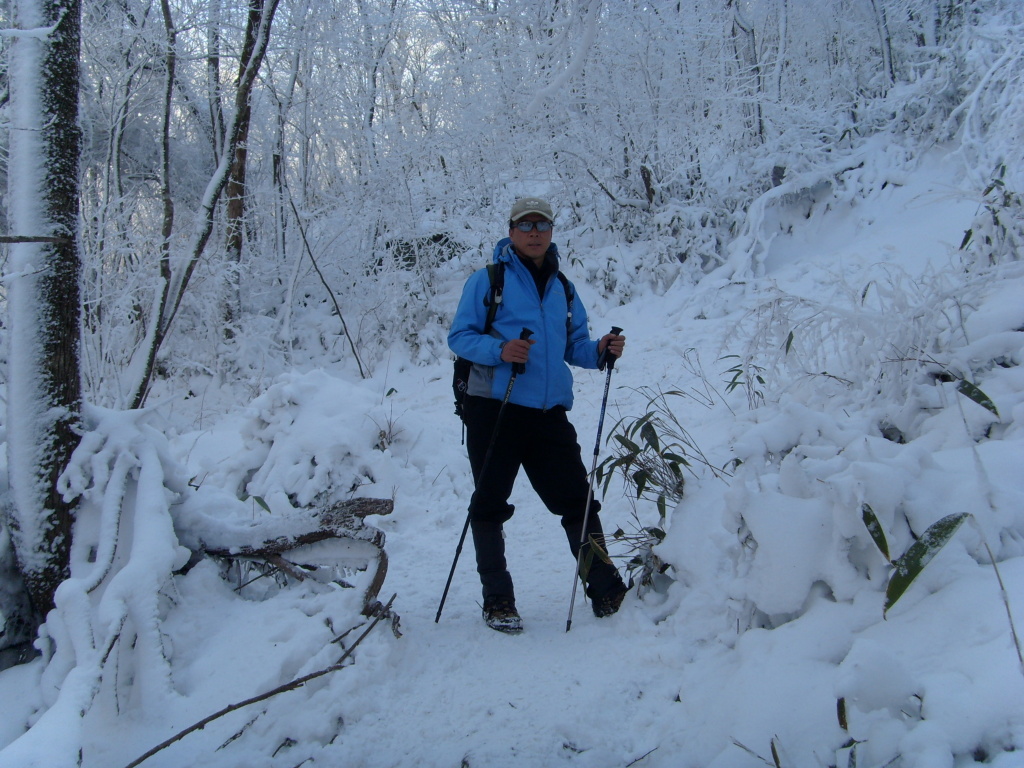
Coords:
503,252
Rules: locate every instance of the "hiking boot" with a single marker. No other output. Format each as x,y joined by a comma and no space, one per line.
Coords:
608,604
500,614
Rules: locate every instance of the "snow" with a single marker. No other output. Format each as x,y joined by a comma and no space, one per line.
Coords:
771,610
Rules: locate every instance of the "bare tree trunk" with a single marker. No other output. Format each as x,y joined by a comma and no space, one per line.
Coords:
175,284
213,78
884,39
745,46
44,401
235,192
154,335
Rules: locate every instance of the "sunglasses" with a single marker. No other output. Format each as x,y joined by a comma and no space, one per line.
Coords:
528,226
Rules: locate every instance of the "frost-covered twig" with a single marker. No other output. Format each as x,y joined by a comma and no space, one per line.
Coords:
296,683
1006,602
334,299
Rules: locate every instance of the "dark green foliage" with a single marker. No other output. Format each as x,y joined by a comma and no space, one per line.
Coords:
908,566
912,562
971,392
875,529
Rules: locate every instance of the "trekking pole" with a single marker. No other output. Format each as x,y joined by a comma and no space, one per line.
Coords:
517,368
608,360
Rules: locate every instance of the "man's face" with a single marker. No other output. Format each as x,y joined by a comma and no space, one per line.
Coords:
533,244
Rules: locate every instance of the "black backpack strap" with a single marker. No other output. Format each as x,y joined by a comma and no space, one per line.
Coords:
496,275
570,299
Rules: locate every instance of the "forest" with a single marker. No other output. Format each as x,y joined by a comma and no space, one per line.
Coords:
201,191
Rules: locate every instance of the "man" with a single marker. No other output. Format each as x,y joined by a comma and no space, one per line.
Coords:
534,433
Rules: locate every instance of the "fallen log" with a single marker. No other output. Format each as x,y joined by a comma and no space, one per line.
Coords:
287,542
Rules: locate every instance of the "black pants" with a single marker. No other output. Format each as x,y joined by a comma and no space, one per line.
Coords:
545,445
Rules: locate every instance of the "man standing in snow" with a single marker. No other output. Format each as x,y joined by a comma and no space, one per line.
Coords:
534,432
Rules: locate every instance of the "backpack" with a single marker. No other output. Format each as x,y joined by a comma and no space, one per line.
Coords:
496,273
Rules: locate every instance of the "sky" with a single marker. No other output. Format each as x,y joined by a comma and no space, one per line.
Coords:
858,320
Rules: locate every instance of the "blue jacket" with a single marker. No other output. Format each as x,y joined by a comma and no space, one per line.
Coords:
547,381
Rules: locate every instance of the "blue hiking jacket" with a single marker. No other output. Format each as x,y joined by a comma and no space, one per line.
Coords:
547,381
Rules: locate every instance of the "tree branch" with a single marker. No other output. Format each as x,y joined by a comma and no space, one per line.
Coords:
297,683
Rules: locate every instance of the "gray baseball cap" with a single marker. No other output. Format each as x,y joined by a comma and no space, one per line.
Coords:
527,205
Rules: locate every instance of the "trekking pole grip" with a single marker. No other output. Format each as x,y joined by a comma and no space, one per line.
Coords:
607,359
518,368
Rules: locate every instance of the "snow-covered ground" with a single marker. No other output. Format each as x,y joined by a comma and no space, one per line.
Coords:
771,611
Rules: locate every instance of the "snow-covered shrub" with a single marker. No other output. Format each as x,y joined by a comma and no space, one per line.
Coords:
104,637
301,448
133,634
852,390
997,233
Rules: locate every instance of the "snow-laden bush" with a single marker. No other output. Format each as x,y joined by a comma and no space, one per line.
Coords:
133,634
104,637
300,446
871,425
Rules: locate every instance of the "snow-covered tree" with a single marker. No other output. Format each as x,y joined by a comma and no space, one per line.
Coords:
44,395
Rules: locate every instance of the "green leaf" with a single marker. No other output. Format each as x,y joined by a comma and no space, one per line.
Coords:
841,713
629,444
875,529
968,235
971,392
650,436
656,533
864,293
640,477
638,425
585,562
912,562
789,342
598,550
259,500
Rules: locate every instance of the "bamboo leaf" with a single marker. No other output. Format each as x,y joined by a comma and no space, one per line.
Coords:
628,444
912,562
640,477
789,342
864,293
639,424
598,550
259,500
968,234
650,436
585,562
875,529
971,392
656,533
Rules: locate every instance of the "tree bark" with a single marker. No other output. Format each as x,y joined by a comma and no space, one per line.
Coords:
177,283
235,192
44,402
